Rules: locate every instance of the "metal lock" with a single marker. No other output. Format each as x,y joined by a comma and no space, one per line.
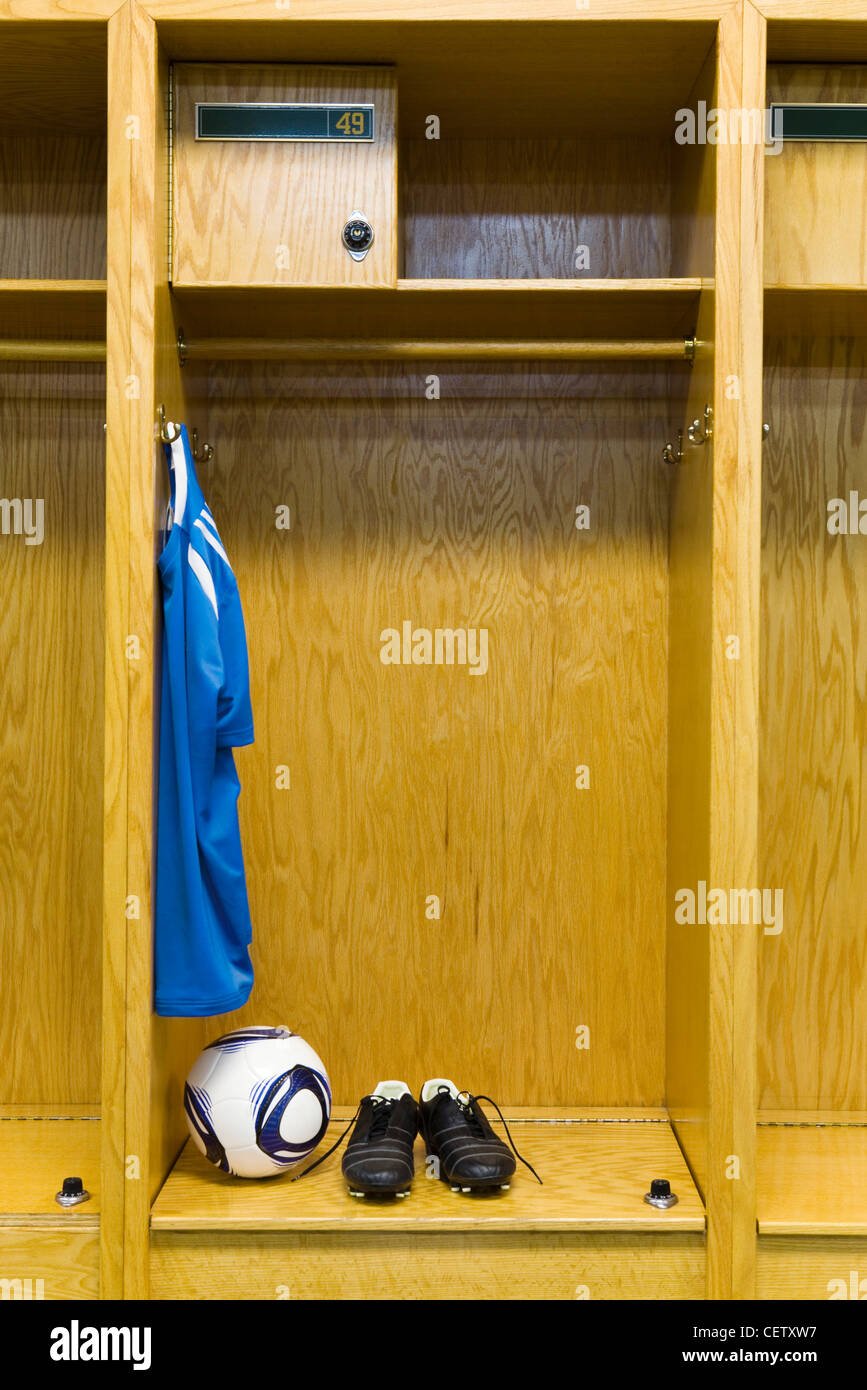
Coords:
660,1194
72,1193
357,235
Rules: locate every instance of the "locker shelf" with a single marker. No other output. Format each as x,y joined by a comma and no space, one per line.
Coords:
651,308
595,1165
52,309
812,1175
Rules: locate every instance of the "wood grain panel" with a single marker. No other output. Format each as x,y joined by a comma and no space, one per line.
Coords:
52,207
521,209
40,88
812,1180
814,186
407,782
157,1051
804,1267
813,843
36,1154
272,213
51,1263
616,1160
428,1267
51,661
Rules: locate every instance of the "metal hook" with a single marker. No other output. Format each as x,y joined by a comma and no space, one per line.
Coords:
766,429
700,433
672,455
164,433
203,455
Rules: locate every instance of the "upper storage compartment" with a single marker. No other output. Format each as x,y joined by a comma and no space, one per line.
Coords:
567,153
284,175
815,219
53,153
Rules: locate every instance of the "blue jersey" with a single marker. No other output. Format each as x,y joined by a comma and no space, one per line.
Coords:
202,963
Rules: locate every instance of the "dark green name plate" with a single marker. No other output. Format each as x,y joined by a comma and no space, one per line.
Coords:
284,120
790,121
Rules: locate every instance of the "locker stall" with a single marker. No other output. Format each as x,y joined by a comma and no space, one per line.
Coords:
812,1078
452,873
52,541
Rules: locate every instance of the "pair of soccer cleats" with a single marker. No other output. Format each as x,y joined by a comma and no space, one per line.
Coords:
462,1148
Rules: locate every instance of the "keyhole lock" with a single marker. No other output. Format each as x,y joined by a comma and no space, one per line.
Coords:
357,235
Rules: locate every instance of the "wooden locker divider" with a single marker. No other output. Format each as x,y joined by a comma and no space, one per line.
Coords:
144,374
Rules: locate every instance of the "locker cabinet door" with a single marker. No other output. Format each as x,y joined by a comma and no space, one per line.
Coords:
270,163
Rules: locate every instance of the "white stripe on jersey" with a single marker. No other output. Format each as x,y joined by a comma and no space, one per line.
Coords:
213,541
205,578
179,466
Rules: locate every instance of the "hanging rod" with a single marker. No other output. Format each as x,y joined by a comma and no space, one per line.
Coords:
48,350
457,349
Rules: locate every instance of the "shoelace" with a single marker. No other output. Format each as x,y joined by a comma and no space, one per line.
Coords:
474,1117
382,1110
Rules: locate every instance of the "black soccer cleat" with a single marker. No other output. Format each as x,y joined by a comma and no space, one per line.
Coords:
457,1134
379,1161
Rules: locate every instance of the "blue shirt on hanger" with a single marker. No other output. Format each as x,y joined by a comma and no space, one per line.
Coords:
203,931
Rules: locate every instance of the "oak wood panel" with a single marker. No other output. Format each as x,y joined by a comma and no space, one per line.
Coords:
157,1052
448,308
429,1267
40,88
51,661
811,1267
50,1262
119,409
52,206
815,186
812,1180
548,71
616,1161
36,1154
813,842
271,212
411,782
513,209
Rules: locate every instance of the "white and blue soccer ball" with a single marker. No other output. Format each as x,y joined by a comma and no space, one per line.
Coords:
258,1101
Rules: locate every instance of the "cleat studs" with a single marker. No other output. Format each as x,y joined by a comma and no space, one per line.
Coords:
466,1189
504,1186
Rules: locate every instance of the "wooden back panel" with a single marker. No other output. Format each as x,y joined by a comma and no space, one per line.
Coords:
527,209
51,665
813,977
412,781
272,212
52,207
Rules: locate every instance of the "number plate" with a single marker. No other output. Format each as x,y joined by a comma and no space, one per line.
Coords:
283,120
815,121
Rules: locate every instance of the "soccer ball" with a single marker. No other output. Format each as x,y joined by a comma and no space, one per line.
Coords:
258,1101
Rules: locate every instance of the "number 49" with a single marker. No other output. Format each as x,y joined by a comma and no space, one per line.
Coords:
351,123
